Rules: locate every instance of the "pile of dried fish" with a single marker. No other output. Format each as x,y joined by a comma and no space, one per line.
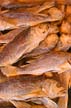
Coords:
35,53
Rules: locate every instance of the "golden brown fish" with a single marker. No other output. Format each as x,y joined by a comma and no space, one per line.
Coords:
45,46
26,19
28,87
52,61
24,43
11,20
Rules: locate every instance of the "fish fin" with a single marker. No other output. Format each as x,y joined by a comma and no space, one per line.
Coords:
48,103
46,5
34,94
20,104
62,102
65,67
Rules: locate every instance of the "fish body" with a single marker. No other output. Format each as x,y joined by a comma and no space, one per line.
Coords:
50,62
24,43
25,87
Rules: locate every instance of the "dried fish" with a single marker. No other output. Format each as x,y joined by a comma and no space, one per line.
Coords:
53,61
45,46
52,29
23,43
15,20
35,53
26,87
12,20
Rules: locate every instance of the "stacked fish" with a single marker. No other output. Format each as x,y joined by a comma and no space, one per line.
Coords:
35,53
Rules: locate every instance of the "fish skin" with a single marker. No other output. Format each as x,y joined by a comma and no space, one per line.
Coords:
25,42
